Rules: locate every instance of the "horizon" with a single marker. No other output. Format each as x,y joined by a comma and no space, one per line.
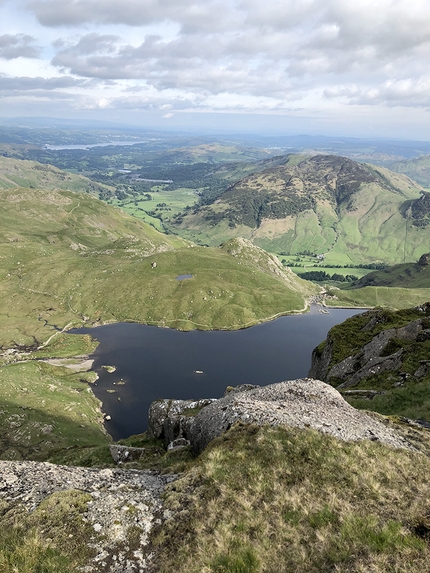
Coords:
339,69
79,123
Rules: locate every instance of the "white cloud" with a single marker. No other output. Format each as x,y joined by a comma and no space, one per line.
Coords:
18,46
245,55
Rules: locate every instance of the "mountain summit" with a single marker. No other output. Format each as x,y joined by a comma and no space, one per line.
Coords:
323,204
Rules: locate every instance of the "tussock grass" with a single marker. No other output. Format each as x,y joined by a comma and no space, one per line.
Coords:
51,539
281,499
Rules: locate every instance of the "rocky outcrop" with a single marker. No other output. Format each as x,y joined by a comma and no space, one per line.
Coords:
171,419
121,500
303,403
385,352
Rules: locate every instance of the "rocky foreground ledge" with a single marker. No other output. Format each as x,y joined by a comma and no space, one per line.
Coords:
122,506
303,403
120,501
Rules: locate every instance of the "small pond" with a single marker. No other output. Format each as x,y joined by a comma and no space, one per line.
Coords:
183,277
156,362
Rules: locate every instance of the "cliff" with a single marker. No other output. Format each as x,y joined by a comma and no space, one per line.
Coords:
383,356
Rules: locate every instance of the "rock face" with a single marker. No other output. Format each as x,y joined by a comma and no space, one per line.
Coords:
171,419
424,260
385,352
120,499
303,403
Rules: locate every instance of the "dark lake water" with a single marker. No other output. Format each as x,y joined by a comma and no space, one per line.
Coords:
156,362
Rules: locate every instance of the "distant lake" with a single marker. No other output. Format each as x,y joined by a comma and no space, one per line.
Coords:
89,146
156,362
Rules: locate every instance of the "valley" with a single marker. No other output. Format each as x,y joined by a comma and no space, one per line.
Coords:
101,239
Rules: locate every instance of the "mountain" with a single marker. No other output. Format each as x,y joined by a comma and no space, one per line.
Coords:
325,204
67,257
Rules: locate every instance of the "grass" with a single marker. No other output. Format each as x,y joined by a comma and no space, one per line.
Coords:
70,259
411,401
175,201
389,297
282,499
45,408
30,174
51,539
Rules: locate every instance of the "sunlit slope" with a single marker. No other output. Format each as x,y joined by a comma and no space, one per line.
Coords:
417,168
397,287
352,213
408,275
69,258
24,173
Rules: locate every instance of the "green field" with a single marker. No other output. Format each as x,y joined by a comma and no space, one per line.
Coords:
390,297
165,203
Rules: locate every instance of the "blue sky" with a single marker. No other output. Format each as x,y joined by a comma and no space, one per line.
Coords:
346,67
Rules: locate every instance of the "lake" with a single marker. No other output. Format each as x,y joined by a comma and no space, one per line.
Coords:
89,145
154,362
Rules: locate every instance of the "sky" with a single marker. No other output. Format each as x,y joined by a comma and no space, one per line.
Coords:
332,67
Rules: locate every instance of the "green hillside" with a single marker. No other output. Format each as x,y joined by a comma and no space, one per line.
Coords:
70,258
379,360
23,173
409,275
417,169
329,205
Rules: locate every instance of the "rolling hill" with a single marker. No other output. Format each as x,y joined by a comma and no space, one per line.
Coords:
408,275
33,175
351,213
418,168
67,257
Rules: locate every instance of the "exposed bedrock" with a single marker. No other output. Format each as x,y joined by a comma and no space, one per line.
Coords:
303,403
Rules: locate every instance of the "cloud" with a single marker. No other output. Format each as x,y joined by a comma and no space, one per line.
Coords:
242,55
18,46
47,84
277,49
192,14
407,92
167,116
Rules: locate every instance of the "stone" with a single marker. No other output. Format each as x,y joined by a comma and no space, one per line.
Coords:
28,483
122,454
171,419
370,359
300,403
178,444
